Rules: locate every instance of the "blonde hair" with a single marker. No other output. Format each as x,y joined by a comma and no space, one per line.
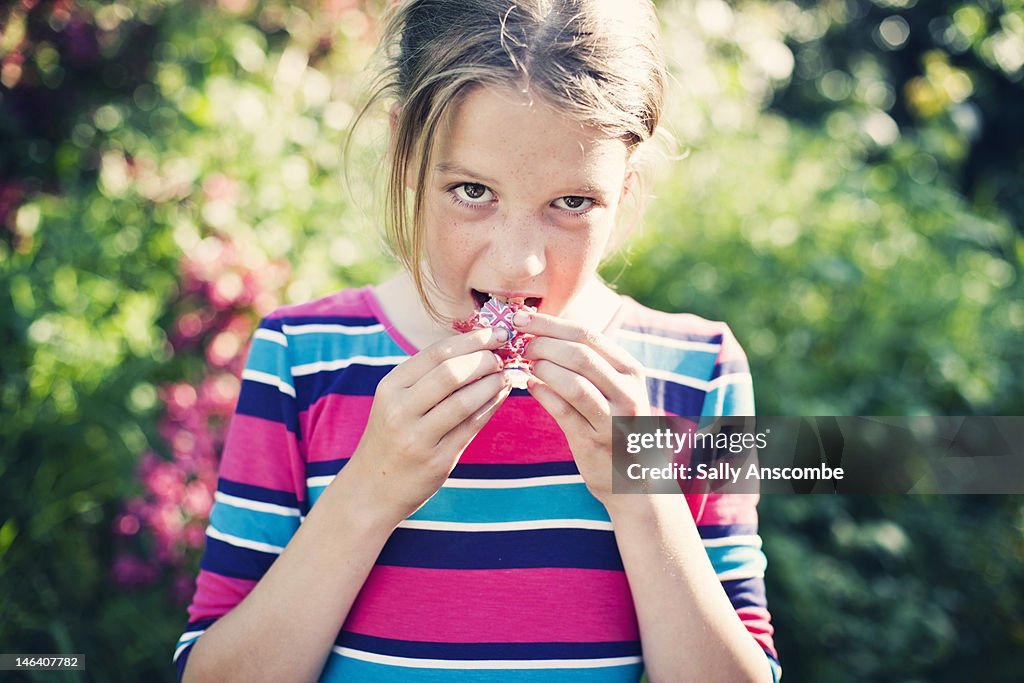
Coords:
597,61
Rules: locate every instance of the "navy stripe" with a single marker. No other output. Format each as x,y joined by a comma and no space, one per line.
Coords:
518,471
347,320
183,660
572,548
479,651
675,398
240,563
264,495
723,530
746,592
732,367
353,380
200,624
257,399
673,334
325,468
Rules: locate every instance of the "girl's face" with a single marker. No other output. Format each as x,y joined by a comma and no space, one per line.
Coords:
520,203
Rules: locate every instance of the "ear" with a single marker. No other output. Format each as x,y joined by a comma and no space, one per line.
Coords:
630,184
393,117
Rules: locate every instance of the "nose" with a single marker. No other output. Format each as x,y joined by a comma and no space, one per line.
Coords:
518,250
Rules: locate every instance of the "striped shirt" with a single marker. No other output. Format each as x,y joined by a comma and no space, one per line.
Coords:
510,572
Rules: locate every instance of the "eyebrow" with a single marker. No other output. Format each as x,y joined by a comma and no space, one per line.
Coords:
455,169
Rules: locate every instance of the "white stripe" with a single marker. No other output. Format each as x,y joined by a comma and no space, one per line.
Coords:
485,663
256,505
272,380
525,482
328,365
177,653
741,573
747,541
314,328
525,525
317,482
271,336
677,378
242,542
731,378
665,341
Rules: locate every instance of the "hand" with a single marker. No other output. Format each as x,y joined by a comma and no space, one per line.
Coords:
424,414
582,379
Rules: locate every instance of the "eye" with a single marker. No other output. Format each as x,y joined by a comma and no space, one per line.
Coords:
574,204
473,193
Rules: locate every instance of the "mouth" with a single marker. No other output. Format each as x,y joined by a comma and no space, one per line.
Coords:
480,298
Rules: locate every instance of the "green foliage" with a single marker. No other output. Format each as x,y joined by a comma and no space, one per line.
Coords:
847,202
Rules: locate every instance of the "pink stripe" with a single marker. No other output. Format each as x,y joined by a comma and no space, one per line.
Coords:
757,621
216,595
500,605
336,423
248,439
521,432
730,508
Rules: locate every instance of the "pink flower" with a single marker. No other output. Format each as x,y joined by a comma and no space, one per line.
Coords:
131,571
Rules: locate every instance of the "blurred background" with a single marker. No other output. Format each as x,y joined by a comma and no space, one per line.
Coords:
845,191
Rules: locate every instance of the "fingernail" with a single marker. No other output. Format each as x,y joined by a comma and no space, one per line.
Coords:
501,334
520,319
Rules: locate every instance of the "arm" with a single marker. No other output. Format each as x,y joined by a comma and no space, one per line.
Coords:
424,413
690,630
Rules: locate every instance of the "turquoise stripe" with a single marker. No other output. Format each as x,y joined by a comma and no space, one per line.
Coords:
345,669
317,347
687,362
731,398
266,356
264,527
730,558
559,501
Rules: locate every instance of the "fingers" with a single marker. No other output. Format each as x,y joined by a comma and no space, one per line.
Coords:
462,404
543,325
459,437
580,397
451,375
413,369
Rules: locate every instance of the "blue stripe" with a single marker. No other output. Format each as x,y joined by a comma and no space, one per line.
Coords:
179,665
675,398
573,548
320,347
271,358
688,362
746,592
527,651
263,527
348,320
200,624
518,471
267,402
354,380
674,334
325,468
240,563
730,558
723,530
473,505
344,669
731,367
470,471
730,399
258,493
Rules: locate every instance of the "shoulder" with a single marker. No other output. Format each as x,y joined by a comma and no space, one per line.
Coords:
690,361
351,303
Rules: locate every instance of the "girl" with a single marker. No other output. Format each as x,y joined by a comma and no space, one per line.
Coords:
388,508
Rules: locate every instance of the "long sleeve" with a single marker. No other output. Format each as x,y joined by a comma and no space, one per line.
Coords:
260,497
